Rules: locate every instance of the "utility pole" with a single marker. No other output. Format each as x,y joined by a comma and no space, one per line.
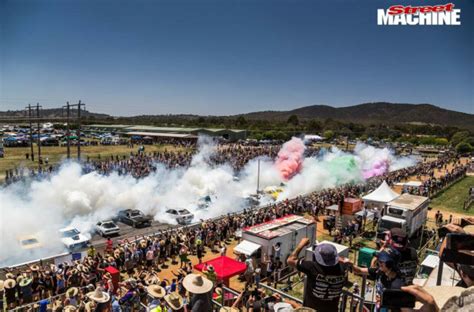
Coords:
68,134
79,105
32,152
38,134
258,176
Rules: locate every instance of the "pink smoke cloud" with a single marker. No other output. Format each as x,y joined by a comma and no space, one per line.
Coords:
378,168
290,158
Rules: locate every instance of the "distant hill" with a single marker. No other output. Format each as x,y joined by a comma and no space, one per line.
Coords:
379,112
368,113
52,112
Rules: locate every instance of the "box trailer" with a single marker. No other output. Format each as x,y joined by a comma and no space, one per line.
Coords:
408,212
260,239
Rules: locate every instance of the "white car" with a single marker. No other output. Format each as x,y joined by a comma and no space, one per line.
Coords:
72,238
182,216
107,228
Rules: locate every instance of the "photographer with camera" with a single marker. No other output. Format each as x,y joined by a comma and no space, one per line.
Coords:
387,276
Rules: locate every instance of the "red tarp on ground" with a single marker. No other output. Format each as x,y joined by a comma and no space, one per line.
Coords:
225,267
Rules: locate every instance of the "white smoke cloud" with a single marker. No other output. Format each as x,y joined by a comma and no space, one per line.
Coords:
41,208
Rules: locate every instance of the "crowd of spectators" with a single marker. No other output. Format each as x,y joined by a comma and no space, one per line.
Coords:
87,286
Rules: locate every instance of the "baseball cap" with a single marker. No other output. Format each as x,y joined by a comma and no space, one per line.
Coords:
326,254
283,307
388,255
399,237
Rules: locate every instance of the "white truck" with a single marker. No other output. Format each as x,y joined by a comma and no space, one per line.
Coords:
286,232
408,212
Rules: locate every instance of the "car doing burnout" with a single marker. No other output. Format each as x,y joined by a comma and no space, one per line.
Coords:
134,218
107,228
72,238
182,216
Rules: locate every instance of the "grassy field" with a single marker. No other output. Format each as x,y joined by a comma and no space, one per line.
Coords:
15,156
453,198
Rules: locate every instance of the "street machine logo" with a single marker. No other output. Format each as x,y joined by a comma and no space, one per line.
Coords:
444,14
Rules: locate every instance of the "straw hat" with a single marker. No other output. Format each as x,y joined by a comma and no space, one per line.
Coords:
152,280
98,296
89,306
9,275
156,291
71,292
465,300
57,304
1,285
9,283
228,309
25,282
70,308
19,278
174,300
442,294
35,267
197,284
82,268
111,259
469,229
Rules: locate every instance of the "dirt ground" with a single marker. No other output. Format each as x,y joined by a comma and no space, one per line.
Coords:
321,235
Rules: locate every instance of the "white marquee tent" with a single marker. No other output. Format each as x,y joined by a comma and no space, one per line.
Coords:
380,196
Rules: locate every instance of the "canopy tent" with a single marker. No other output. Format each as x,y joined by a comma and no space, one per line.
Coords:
224,267
410,184
247,248
313,137
380,196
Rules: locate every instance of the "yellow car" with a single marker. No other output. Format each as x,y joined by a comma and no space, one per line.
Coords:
273,191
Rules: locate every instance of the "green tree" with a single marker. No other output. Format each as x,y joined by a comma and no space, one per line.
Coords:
293,120
463,148
441,141
458,137
328,134
314,125
241,121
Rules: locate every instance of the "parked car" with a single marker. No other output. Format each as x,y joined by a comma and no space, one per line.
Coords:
182,216
134,218
107,228
72,238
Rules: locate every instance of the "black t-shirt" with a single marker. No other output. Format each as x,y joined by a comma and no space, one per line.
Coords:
324,285
408,264
382,282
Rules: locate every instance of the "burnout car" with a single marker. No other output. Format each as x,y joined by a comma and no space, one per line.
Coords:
134,218
206,201
107,228
273,191
72,238
253,200
29,242
182,216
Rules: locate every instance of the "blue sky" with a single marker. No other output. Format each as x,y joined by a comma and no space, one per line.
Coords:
217,57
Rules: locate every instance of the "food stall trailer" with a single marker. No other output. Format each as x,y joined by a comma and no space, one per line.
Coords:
259,240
